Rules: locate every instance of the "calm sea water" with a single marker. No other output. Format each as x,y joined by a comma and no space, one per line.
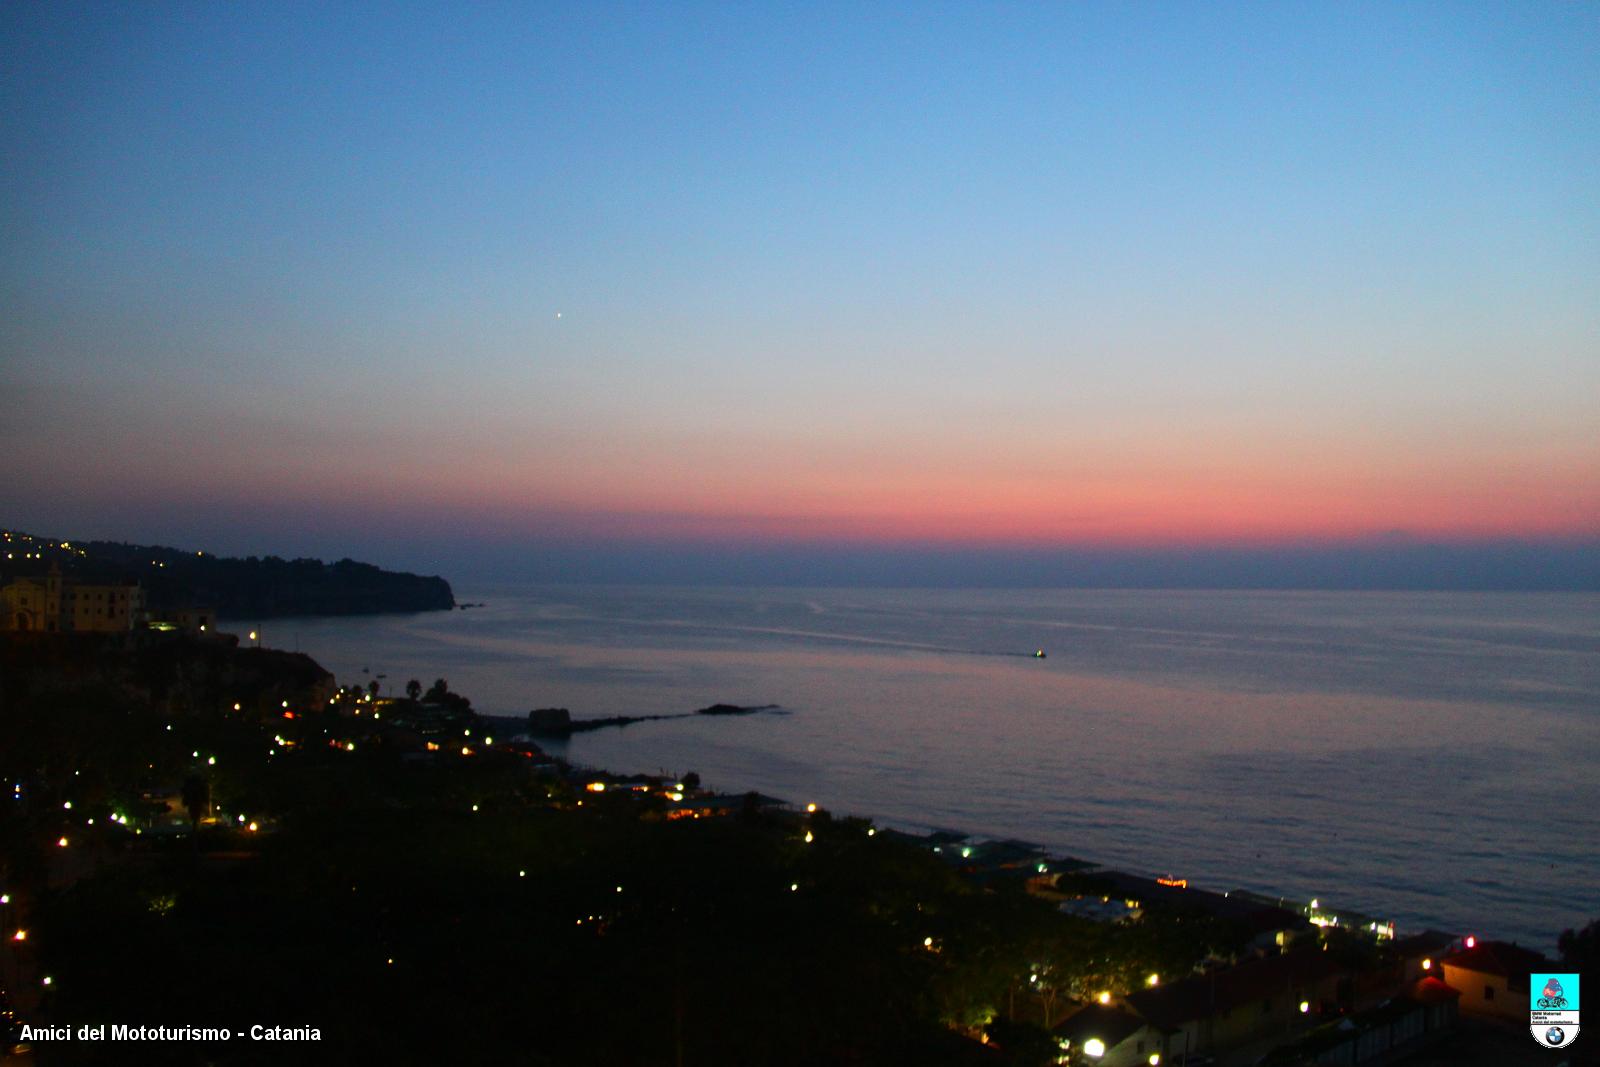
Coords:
1426,757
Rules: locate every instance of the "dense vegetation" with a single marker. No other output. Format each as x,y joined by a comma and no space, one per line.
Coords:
525,920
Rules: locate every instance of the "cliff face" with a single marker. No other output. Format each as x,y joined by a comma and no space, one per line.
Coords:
177,673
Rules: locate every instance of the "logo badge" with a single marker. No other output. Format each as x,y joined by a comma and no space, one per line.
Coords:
1553,1009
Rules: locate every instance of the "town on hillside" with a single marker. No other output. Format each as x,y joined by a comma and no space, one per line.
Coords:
209,818
54,585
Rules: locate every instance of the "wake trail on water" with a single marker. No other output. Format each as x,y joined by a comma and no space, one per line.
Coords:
814,636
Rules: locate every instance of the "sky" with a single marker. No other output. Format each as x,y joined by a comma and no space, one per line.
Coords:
807,291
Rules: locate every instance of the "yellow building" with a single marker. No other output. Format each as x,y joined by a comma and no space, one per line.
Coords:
1492,977
53,604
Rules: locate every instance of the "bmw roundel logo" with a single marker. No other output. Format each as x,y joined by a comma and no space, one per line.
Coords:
1555,1035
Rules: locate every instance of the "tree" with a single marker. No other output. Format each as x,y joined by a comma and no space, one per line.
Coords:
372,688
691,781
438,691
1578,946
196,797
414,689
1023,1043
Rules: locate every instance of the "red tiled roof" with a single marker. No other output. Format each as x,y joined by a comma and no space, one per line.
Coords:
1497,958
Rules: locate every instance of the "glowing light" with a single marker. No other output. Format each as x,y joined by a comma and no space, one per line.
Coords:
794,887
596,787
811,808
474,807
1183,883
48,980
5,898
1305,1007
1094,1047
1427,965
1104,998
522,874
67,806
1315,903
349,746
61,842
253,827
236,706
872,831
20,935
927,942
1154,979
1155,1059
1472,942
809,838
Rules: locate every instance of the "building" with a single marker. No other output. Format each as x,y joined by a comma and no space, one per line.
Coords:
1108,1036
1269,925
189,619
1257,1001
1417,955
53,604
1402,1025
1493,978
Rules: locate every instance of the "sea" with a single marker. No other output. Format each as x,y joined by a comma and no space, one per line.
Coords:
1425,758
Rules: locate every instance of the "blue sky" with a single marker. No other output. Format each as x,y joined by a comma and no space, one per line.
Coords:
1087,275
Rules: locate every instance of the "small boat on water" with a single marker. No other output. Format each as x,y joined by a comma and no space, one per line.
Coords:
1038,653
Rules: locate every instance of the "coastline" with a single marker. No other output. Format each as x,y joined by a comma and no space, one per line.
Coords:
1166,732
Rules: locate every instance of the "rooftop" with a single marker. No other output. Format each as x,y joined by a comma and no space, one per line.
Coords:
1203,995
1111,1025
1499,958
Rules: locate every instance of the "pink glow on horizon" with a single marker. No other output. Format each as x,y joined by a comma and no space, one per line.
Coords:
1138,486
1110,516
